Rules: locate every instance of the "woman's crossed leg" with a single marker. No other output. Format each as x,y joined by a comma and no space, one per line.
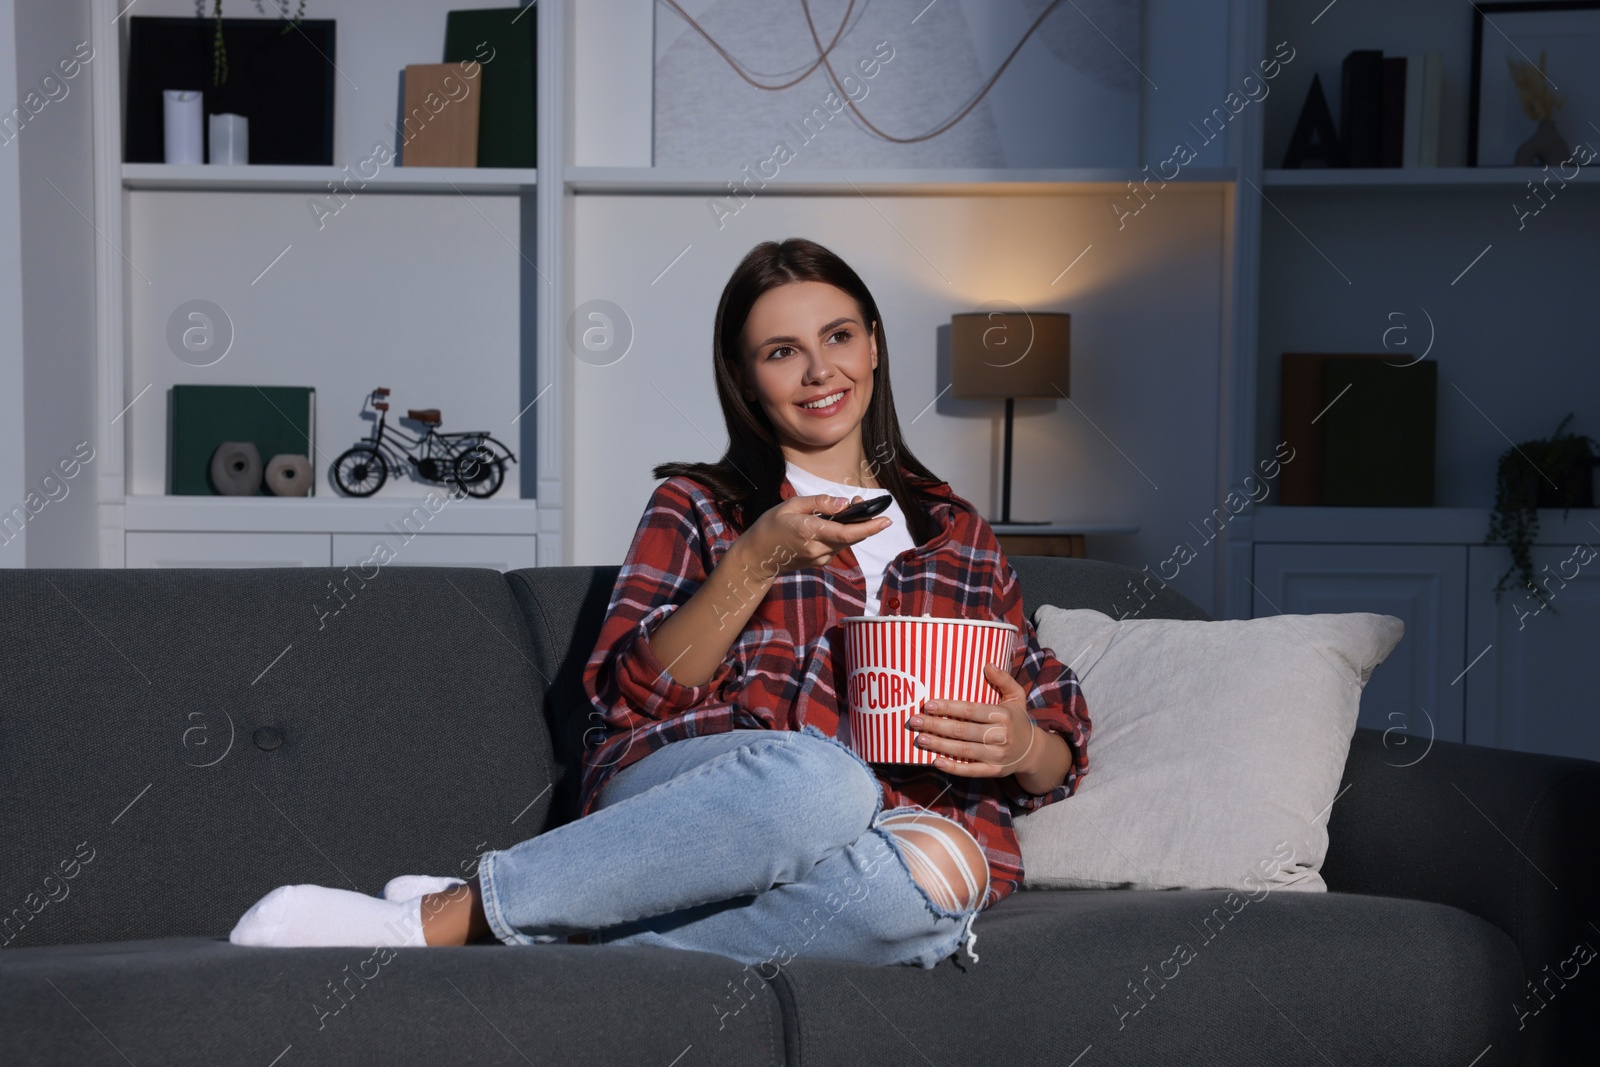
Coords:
895,887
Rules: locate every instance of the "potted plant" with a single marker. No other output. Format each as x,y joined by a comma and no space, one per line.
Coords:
219,66
1553,473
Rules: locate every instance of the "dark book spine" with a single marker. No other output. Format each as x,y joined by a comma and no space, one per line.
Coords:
1361,107
1392,140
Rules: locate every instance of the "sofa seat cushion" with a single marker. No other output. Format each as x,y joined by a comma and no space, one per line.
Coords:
1288,977
204,1001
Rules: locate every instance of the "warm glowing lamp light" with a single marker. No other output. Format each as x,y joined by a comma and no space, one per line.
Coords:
1005,355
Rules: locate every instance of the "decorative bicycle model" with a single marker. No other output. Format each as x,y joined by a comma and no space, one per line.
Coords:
469,459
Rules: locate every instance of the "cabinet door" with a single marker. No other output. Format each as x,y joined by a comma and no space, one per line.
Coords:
503,552
1417,689
159,548
1534,689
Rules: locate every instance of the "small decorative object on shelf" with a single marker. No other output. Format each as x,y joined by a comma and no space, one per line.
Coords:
289,475
1540,103
1316,138
236,468
467,459
1553,473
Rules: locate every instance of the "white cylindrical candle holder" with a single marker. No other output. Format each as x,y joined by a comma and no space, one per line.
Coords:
230,139
181,119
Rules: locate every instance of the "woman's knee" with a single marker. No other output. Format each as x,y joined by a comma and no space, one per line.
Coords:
825,773
943,858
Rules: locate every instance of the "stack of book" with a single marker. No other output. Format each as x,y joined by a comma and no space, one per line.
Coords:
1389,109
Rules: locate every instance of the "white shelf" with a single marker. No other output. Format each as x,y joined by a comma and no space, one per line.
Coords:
701,181
293,179
328,514
1415,177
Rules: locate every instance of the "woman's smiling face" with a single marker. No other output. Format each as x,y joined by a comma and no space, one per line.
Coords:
806,341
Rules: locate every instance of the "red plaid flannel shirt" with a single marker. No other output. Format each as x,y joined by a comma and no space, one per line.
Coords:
782,671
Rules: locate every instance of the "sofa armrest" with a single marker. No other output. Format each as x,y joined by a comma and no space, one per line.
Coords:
1507,836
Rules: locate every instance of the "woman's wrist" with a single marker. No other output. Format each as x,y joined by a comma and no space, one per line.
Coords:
1046,763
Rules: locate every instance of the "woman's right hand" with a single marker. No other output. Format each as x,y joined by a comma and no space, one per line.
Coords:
794,534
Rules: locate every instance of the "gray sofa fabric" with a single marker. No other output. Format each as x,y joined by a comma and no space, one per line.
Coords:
175,743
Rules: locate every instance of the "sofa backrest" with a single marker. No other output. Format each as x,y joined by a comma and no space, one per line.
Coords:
175,743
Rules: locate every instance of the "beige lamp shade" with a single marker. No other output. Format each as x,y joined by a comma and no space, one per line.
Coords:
997,355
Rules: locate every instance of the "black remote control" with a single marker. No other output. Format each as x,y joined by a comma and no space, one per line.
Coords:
866,509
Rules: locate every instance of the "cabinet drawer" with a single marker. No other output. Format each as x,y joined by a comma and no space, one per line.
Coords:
503,552
1424,586
148,548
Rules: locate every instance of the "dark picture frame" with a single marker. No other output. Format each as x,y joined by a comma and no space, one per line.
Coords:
282,83
1503,19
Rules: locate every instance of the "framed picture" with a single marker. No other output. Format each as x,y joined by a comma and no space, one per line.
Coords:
282,83
1535,83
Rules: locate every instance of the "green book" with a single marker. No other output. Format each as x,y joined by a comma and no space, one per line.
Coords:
503,40
277,418
1378,432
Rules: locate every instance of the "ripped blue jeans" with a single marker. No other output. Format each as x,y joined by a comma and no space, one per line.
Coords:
761,845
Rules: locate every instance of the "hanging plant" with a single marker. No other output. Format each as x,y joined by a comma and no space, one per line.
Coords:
1553,473
219,51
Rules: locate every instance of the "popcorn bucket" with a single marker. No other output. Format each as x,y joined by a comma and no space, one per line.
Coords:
895,663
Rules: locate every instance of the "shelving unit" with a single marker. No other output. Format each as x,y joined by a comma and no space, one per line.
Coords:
1331,260
455,312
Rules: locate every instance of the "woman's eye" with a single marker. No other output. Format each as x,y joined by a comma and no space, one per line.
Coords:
785,348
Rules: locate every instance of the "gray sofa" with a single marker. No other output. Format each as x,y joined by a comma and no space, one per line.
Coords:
175,743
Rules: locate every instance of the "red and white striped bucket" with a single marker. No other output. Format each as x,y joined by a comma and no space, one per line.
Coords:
895,663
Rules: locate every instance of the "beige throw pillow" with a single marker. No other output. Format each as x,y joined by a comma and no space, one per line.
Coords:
1216,749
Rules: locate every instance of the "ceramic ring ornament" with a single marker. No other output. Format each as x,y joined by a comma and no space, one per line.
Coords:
289,474
236,468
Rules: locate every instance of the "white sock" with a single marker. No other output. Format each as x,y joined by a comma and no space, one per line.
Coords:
406,886
295,916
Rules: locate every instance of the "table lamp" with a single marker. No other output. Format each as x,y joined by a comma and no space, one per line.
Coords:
996,355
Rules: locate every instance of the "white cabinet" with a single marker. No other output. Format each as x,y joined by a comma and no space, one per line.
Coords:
170,548
1534,689
1422,585
1504,673
503,552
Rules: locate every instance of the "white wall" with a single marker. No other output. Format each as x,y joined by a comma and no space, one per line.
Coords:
1145,302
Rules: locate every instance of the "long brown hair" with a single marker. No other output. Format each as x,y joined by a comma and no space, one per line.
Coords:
747,479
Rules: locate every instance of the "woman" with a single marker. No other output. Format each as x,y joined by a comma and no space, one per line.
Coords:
720,810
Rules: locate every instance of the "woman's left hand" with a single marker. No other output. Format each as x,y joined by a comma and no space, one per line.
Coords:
996,737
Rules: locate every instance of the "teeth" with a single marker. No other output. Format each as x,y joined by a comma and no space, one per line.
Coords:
825,401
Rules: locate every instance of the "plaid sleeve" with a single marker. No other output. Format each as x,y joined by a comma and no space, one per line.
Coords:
666,563
1055,701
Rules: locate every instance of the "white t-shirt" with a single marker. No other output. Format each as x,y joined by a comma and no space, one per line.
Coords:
874,553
